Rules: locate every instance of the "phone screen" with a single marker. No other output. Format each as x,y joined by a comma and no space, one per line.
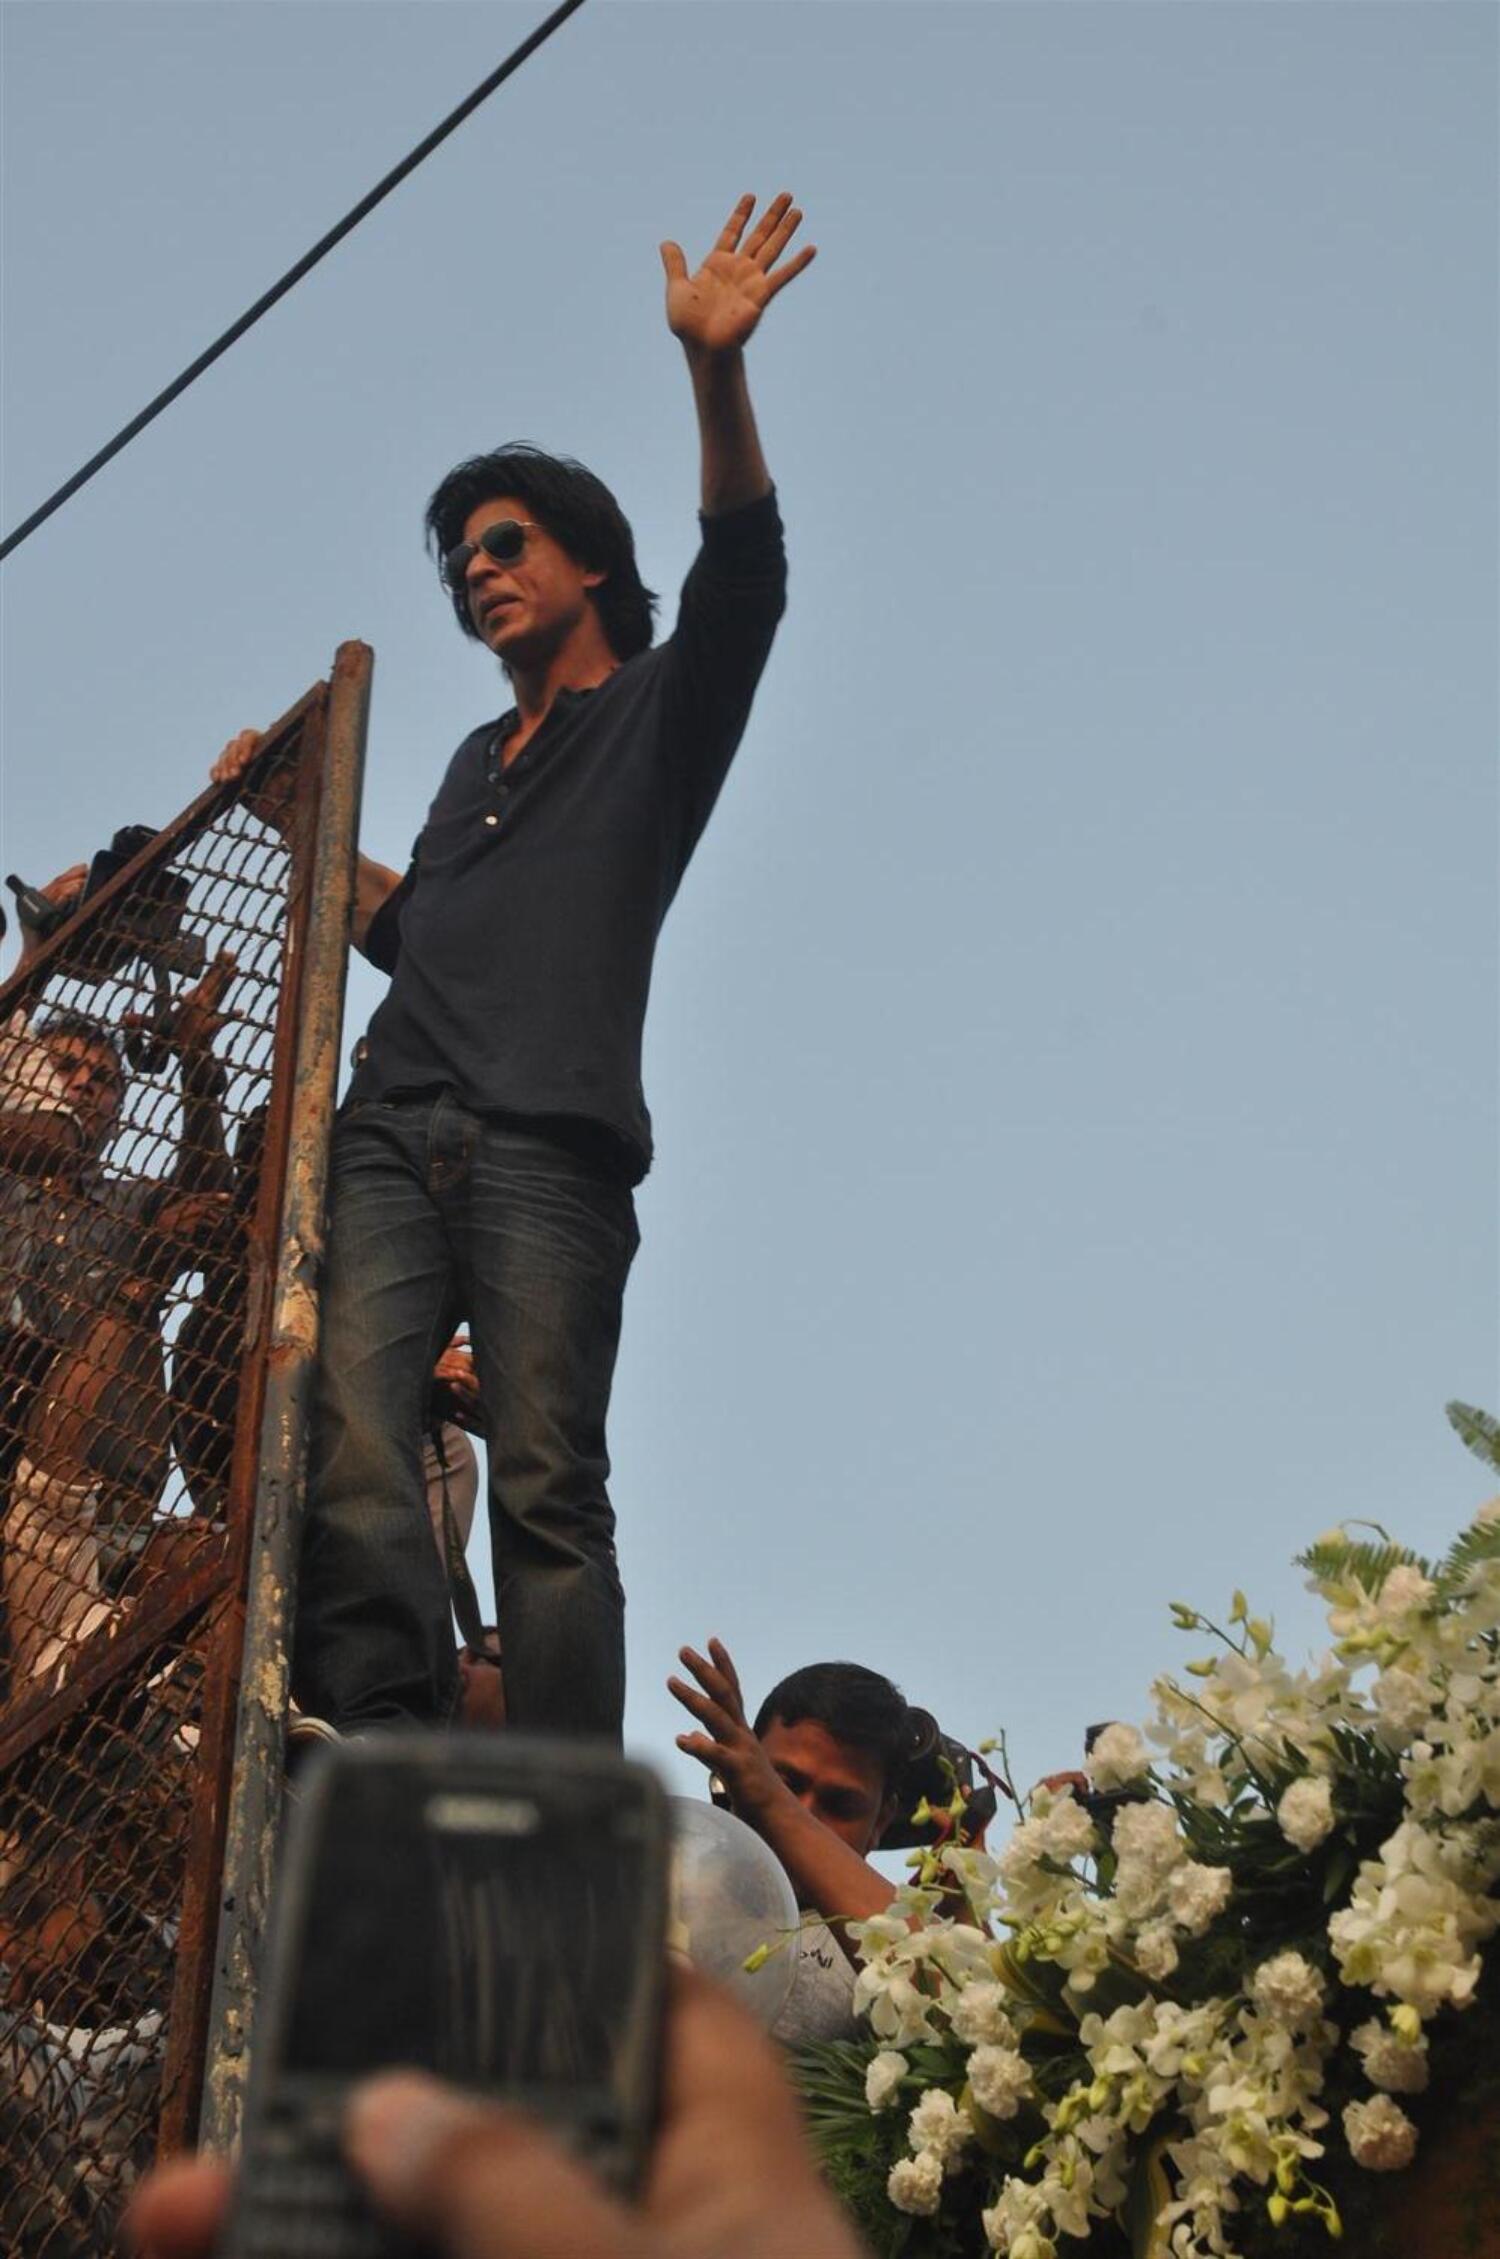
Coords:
484,1931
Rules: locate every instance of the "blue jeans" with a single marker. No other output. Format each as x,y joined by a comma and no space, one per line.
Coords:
437,1213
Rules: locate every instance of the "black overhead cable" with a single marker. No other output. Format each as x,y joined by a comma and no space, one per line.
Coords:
293,275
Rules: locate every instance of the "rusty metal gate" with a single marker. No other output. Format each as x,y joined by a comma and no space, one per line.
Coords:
167,1072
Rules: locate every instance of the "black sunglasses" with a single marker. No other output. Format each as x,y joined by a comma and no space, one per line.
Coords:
504,541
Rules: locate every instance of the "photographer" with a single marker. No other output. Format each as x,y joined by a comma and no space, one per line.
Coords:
731,2177
831,1771
817,1775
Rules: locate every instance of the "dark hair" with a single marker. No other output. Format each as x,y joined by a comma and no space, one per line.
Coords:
79,1028
851,1703
576,508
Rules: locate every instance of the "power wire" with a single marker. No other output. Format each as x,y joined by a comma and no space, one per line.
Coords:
293,275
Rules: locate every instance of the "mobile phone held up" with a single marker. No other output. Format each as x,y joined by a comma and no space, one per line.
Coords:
490,1908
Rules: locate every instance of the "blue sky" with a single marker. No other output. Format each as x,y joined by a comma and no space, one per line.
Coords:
1073,1051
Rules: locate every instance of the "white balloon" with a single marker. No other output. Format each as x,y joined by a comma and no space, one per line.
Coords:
730,1897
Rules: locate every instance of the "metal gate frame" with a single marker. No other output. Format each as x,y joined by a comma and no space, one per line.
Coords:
246,1854
243,1596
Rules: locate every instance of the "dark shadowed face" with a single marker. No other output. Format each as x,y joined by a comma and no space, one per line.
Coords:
93,1081
526,610
840,1785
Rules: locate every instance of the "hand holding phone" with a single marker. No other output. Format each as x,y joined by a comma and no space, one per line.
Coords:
489,1910
731,2173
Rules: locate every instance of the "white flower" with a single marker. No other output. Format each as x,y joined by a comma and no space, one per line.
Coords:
1178,2033
1257,1703
1404,1701
1113,2043
1305,1813
979,2018
1488,1513
1465,1774
965,1948
1380,2135
1079,2188
1147,1847
1148,1833
1076,1930
883,2078
1067,1830
897,2008
938,2126
1238,2086
1012,2222
1156,1951
1118,1757
1025,1882
916,2183
1398,2065
1288,1988
1057,1831
1405,1590
1182,1732
998,2078
1197,1895
1409,1929
973,1872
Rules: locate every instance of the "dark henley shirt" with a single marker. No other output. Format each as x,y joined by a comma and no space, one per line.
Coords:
520,941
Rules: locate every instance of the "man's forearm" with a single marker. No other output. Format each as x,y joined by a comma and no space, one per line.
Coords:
373,885
826,1873
203,1163
734,469
712,313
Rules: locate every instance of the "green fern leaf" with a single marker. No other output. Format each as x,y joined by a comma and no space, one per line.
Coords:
1338,1560
1478,1430
1470,1550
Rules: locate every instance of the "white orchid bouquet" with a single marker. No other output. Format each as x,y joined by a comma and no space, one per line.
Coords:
1202,1999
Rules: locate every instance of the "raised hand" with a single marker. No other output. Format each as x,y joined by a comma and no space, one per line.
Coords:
273,802
185,1028
725,1744
236,757
717,309
196,1018
65,892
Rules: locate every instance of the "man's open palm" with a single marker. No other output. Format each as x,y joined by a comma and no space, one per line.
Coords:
716,309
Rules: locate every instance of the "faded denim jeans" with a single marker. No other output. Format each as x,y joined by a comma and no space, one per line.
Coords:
435,1213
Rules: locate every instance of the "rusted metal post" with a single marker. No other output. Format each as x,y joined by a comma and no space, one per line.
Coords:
255,1791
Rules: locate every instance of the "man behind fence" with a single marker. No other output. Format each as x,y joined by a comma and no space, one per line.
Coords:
87,1259
484,1162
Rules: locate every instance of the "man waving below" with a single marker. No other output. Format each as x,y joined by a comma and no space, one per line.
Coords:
484,1162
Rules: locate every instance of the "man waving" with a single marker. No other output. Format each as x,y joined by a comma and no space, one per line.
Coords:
484,1162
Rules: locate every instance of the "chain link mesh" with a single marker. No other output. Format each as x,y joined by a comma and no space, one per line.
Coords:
144,1118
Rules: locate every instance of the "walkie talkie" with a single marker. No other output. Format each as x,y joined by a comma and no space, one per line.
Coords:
33,908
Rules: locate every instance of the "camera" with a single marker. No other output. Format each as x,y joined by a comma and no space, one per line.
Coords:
146,924
935,1767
